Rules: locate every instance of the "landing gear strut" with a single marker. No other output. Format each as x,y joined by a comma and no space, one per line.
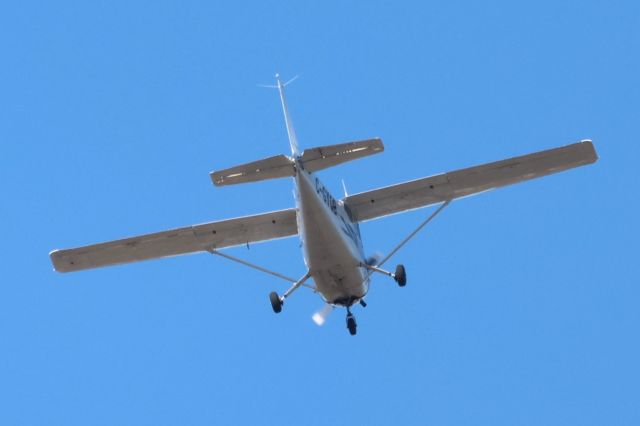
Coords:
277,301
400,276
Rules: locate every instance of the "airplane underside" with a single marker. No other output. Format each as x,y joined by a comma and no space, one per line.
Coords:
333,261
328,228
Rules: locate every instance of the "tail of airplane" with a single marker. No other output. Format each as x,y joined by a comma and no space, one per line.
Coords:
312,160
293,140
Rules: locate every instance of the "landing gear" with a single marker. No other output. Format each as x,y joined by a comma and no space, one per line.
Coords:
400,276
276,302
351,323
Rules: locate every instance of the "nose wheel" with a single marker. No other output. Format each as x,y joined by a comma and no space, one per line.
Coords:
351,323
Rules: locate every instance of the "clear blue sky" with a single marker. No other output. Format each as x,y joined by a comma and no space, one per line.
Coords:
522,303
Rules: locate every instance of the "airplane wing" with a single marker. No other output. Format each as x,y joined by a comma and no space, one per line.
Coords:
461,183
190,239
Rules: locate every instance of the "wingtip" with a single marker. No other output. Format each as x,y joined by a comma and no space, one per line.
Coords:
54,256
214,178
59,262
592,148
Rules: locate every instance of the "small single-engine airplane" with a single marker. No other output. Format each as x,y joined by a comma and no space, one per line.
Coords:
327,227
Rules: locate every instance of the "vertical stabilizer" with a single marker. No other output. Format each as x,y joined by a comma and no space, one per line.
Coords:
293,141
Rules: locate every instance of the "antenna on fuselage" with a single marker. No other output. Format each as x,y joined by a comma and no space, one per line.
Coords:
344,188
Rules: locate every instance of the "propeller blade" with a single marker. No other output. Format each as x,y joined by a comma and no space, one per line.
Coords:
374,259
321,316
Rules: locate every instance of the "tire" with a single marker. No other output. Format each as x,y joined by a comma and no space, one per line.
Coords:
276,303
352,326
401,276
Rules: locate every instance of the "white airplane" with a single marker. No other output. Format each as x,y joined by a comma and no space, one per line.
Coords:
327,226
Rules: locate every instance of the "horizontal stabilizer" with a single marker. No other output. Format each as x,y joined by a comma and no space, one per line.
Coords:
464,182
190,239
331,155
268,168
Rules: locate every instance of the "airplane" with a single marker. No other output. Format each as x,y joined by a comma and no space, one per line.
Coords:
328,227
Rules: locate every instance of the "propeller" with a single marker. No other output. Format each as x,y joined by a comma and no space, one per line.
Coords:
321,315
374,259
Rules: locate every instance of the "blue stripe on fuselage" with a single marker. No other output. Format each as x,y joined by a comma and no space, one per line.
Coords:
350,229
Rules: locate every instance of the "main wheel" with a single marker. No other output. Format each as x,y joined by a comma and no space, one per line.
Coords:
351,325
276,303
401,276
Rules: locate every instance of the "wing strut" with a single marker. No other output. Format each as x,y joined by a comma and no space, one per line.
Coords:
376,268
259,268
411,235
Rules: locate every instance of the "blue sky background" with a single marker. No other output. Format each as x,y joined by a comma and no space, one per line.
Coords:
522,303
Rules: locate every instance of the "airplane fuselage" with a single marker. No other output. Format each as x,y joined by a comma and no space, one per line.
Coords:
331,241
